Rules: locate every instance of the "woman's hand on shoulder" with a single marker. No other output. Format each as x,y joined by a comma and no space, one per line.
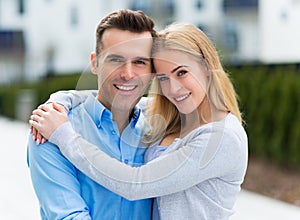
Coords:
45,120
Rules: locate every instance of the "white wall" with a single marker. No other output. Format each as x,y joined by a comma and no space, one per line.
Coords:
272,37
9,16
279,28
47,27
248,33
209,14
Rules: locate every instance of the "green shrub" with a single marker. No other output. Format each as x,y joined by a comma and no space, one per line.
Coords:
269,99
9,95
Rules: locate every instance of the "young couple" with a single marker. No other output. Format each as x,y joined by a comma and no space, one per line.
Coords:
187,149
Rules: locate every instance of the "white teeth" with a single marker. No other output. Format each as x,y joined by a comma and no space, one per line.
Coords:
126,88
182,98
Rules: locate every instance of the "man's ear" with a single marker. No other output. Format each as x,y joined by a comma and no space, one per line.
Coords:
94,62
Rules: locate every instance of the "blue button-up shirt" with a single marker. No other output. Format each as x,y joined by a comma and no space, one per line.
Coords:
66,193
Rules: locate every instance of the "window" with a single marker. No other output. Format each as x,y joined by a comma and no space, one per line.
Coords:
21,7
231,39
74,16
199,4
170,6
144,6
11,41
240,4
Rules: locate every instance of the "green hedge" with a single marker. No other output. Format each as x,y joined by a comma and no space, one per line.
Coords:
10,94
269,99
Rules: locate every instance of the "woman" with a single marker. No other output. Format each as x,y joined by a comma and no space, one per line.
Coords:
196,130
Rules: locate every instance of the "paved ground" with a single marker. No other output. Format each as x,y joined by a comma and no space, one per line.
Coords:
17,199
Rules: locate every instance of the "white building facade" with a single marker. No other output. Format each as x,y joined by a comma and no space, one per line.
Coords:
57,36
39,37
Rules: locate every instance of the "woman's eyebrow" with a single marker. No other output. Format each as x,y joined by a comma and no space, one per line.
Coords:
178,67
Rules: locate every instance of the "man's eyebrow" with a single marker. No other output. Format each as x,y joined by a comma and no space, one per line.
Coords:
178,67
134,58
113,56
142,58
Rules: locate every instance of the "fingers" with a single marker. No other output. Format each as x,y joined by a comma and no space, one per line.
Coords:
37,120
41,113
59,107
39,138
36,136
44,140
45,119
33,132
38,112
46,107
34,123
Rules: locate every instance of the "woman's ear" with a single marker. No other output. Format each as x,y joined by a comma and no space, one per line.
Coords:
94,62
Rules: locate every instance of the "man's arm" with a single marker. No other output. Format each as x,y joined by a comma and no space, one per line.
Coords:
55,183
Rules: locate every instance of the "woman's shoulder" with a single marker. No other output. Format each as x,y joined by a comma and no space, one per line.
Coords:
228,127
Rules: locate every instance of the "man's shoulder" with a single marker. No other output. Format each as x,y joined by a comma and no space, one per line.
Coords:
41,153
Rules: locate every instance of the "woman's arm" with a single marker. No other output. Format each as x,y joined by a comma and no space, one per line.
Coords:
216,151
71,98
209,153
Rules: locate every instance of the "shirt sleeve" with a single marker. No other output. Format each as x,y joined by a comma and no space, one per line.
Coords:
55,183
71,98
212,153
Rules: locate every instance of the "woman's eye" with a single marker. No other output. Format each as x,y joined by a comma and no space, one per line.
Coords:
181,72
162,78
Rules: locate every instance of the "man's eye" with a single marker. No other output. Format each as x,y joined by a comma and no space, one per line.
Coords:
116,60
139,62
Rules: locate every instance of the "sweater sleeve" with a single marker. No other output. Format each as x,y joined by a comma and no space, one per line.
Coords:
71,98
205,154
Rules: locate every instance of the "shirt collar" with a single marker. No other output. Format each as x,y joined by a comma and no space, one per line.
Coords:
99,112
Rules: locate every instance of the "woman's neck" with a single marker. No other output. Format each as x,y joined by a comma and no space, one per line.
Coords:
203,115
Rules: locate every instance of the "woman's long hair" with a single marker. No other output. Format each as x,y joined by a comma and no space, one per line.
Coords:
162,115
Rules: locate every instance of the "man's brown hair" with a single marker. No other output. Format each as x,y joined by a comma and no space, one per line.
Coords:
125,19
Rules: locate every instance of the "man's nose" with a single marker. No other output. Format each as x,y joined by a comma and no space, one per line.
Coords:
127,71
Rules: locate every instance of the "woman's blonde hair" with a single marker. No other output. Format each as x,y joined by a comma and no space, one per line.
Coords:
163,116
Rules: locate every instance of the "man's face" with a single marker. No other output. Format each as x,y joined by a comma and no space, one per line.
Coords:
123,68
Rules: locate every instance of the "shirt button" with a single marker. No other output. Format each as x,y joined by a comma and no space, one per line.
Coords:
113,132
126,161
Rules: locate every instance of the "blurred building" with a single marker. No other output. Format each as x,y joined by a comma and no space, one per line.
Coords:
244,31
42,37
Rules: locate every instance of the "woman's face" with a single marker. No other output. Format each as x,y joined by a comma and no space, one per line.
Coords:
182,78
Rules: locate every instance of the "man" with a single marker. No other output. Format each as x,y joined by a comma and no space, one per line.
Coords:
123,66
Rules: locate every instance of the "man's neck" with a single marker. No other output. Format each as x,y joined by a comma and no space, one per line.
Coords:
122,118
